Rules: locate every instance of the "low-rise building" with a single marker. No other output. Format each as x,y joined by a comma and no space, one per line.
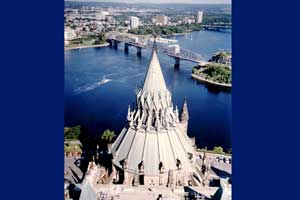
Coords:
188,21
161,20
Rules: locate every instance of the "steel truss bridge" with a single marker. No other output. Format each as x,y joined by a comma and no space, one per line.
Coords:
164,46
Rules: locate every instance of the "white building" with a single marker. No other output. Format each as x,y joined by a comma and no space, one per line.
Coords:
134,22
199,17
100,27
161,20
69,35
100,16
188,21
104,13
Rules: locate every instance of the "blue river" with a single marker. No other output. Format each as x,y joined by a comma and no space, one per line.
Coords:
100,83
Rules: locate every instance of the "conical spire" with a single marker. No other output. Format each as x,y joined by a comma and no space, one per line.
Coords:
184,115
154,80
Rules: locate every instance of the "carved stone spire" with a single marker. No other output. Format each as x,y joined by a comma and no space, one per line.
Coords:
176,114
184,115
128,113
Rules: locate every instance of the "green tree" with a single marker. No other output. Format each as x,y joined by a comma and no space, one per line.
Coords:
218,72
218,150
100,39
108,135
72,133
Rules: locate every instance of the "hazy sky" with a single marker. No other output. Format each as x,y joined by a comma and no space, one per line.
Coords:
163,1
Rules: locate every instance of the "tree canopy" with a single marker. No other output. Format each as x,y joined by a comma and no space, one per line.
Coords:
100,39
72,133
165,30
108,135
218,150
217,72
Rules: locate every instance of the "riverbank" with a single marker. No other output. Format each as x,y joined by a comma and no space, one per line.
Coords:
203,80
87,46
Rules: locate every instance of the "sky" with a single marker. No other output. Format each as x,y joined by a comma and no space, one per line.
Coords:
164,1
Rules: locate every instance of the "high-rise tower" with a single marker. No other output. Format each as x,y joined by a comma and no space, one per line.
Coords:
199,17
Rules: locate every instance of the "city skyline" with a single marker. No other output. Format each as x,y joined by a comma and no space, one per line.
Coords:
161,1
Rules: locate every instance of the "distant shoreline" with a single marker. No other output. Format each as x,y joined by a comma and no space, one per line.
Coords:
87,46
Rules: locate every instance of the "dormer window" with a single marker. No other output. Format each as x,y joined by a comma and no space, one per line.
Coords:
178,164
141,167
161,167
124,164
190,156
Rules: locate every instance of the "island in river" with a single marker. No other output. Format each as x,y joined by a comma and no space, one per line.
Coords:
216,72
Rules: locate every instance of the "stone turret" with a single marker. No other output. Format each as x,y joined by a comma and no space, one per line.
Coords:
184,116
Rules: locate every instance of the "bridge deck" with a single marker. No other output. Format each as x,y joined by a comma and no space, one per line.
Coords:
145,43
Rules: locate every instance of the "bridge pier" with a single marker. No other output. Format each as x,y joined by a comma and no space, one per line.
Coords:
110,42
115,42
126,46
138,51
177,62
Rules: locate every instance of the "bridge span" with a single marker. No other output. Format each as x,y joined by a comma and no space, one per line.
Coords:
165,46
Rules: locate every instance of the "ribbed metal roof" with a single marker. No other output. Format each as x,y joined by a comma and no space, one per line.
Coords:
151,148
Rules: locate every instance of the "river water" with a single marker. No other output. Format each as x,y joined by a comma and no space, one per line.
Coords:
100,83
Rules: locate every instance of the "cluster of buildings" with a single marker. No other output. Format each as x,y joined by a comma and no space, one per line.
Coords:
82,22
159,20
92,20
163,20
192,19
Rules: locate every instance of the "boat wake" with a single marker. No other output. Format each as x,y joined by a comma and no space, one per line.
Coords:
92,86
125,79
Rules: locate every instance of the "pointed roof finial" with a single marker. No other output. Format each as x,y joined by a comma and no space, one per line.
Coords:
128,113
154,80
184,115
154,41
